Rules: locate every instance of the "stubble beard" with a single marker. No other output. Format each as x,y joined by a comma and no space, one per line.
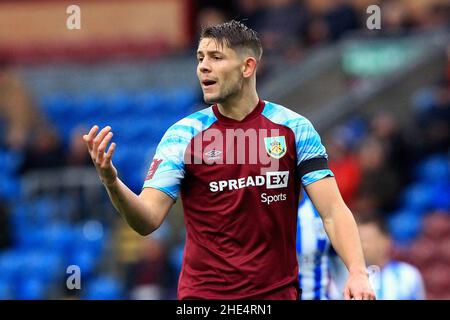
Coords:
225,94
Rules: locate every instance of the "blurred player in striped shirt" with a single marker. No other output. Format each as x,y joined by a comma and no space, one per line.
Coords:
390,279
321,272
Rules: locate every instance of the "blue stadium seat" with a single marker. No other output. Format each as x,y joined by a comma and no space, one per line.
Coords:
58,237
90,101
44,265
9,161
83,258
9,187
18,219
181,100
352,131
43,211
148,102
31,288
423,100
435,169
57,106
103,288
30,236
417,197
5,290
404,226
11,262
88,245
119,102
91,236
441,197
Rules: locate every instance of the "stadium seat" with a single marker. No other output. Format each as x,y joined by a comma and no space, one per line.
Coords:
9,188
9,162
118,103
88,105
423,100
404,226
58,237
43,211
11,262
30,236
434,170
103,288
180,101
57,106
441,197
90,236
417,197
148,102
18,219
85,248
5,290
44,265
85,259
31,289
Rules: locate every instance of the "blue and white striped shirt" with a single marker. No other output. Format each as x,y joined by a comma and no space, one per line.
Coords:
397,281
313,250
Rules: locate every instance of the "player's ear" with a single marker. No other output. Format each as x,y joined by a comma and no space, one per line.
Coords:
249,67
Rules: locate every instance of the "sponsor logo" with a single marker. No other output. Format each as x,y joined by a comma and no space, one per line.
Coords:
273,198
213,155
272,180
278,179
275,146
153,167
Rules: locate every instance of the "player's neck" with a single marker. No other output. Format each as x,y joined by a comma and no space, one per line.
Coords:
240,106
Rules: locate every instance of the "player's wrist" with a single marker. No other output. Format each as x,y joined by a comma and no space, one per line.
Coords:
110,183
358,271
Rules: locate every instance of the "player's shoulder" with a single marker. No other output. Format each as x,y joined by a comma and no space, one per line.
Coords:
190,126
407,270
282,115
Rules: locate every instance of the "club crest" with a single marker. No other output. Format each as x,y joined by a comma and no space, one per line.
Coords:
275,146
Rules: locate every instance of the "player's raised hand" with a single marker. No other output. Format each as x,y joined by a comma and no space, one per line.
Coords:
358,288
96,145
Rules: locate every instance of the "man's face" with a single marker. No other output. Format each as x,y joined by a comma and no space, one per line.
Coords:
219,70
375,244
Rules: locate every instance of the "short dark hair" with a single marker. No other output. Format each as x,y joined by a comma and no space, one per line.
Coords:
376,219
235,35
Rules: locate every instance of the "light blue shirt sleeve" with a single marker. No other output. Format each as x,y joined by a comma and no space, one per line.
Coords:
309,146
418,291
167,168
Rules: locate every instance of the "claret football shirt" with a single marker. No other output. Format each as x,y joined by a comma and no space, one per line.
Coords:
239,182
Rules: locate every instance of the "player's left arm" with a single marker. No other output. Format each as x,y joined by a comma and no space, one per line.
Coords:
341,228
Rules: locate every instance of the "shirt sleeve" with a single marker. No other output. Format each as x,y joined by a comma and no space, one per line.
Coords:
418,290
167,168
312,159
